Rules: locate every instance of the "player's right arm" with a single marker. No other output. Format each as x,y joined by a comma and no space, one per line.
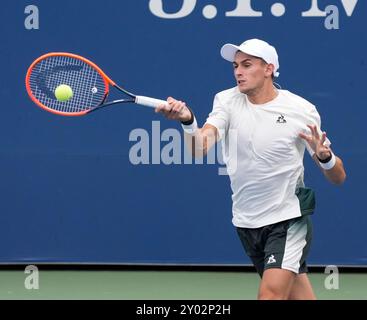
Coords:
200,140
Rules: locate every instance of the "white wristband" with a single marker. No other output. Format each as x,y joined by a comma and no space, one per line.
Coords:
191,128
329,165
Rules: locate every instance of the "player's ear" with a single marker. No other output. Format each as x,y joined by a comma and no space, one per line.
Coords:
269,70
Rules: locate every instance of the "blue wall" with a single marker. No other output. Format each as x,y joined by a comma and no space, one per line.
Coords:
68,190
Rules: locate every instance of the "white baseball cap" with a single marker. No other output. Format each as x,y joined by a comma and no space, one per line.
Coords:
253,47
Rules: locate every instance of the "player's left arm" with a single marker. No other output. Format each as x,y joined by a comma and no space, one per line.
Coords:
336,174
331,165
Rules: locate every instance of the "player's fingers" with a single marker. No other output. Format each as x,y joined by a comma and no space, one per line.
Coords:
160,108
171,103
177,108
311,127
172,109
167,107
164,109
315,132
305,137
323,138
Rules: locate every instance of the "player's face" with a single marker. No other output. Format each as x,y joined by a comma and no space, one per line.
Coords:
250,72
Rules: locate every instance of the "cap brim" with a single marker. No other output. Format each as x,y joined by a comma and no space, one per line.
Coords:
228,52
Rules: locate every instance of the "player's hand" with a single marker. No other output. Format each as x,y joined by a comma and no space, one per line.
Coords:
316,142
175,110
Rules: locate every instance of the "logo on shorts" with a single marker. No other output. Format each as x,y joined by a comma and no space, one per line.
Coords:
271,260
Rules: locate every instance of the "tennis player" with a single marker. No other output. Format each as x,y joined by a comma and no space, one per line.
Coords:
271,205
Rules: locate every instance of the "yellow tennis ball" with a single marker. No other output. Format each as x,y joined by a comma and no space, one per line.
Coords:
63,92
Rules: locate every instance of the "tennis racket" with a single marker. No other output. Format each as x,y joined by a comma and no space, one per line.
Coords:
90,85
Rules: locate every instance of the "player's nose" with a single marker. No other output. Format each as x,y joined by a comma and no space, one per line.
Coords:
238,72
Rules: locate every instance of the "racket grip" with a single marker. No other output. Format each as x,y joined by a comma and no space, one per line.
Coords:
149,102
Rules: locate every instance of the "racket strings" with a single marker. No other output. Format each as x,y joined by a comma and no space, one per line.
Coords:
86,82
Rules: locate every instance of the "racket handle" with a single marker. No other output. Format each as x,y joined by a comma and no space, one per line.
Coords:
149,102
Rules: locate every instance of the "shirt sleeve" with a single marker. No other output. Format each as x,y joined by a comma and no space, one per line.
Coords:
313,118
219,117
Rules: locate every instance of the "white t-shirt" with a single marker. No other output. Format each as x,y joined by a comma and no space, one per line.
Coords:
263,153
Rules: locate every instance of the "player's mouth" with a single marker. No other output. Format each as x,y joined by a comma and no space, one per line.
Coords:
239,82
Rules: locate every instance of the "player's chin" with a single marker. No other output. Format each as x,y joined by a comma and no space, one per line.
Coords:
243,89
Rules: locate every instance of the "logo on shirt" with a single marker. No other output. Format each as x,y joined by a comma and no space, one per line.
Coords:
281,119
271,260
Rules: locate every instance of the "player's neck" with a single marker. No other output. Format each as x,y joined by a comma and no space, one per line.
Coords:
263,95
